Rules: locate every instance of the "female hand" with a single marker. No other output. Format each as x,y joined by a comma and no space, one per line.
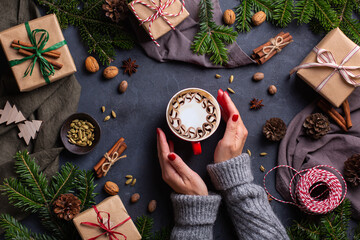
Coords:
175,172
232,144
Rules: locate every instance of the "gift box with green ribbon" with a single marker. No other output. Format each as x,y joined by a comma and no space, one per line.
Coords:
42,36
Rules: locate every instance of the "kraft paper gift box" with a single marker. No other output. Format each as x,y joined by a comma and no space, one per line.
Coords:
19,32
118,214
159,27
336,90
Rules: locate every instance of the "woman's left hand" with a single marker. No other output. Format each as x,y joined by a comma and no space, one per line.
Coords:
175,172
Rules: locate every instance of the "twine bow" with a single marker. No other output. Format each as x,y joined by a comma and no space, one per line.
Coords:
108,230
325,58
158,12
111,160
46,68
276,43
317,191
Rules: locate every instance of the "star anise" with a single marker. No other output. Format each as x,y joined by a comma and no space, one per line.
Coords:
129,66
256,104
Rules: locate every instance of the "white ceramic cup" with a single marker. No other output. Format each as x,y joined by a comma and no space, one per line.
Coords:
193,115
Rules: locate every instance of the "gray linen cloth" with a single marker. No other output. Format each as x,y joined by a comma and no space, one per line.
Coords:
301,152
52,104
175,45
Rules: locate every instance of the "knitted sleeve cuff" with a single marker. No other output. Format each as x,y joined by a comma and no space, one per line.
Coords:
231,173
194,209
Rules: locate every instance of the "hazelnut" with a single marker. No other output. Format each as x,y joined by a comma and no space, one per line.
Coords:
110,72
135,197
272,89
229,17
258,18
258,76
152,206
123,86
111,188
91,64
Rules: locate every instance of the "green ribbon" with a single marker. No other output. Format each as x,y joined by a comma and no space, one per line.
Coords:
45,67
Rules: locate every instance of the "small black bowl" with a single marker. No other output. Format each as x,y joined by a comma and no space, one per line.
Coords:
66,127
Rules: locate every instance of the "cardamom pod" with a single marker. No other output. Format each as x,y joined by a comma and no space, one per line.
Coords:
106,118
128,181
217,75
231,79
263,154
103,108
129,176
231,90
248,151
262,168
133,182
113,114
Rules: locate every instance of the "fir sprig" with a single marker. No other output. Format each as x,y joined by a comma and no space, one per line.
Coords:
212,38
100,34
322,15
333,225
31,192
144,225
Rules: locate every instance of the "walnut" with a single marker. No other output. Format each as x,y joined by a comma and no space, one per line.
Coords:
258,18
91,64
110,72
229,17
111,188
272,89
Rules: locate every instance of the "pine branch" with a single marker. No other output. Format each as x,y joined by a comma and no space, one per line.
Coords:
304,10
243,16
163,234
283,12
62,182
96,31
15,230
325,14
211,38
144,225
29,175
20,196
85,185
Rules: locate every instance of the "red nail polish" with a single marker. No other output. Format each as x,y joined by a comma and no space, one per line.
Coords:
227,93
171,156
235,117
158,131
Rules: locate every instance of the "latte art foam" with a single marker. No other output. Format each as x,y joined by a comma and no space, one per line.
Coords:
192,115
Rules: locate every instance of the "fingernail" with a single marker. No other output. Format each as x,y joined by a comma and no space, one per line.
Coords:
227,93
171,156
158,131
235,117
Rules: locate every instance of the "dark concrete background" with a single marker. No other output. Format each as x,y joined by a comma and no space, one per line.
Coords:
141,109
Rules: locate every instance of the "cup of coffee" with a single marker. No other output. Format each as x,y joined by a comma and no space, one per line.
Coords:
193,115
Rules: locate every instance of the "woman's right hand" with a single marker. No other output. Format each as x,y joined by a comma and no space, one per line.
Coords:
232,144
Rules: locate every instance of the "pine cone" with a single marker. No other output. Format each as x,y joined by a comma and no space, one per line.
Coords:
316,125
274,129
67,206
352,170
116,10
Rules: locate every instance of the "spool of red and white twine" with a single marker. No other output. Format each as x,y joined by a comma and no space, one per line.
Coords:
317,191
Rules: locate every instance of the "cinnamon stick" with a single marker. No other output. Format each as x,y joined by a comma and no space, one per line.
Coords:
333,114
56,65
110,152
346,108
49,54
120,150
25,44
261,54
268,43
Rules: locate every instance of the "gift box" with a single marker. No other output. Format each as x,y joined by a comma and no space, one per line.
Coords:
157,23
36,79
332,66
110,214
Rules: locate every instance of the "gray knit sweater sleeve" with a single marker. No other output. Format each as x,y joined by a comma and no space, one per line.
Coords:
194,216
247,202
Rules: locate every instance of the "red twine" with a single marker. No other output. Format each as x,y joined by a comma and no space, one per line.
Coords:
107,229
325,58
317,191
158,12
